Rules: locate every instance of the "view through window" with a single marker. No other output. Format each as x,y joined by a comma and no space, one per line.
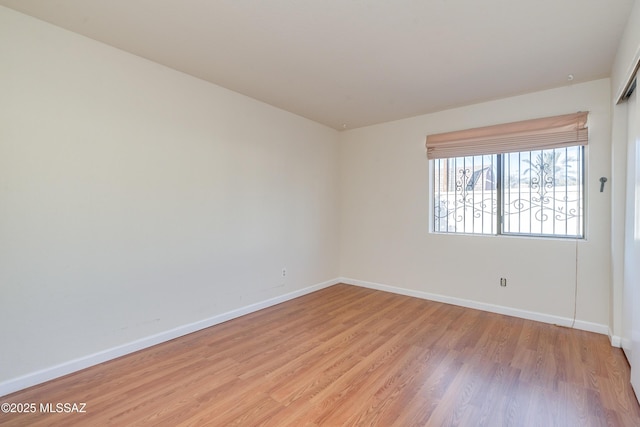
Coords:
536,193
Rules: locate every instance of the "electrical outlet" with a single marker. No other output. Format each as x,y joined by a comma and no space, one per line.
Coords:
503,282
284,272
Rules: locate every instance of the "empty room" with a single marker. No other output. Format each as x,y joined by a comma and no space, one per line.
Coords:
322,213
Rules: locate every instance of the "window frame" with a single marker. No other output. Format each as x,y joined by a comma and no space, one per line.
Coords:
498,223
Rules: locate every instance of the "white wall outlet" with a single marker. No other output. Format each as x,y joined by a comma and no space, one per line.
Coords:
503,282
284,272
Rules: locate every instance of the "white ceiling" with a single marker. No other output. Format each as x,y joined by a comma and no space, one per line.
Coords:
359,62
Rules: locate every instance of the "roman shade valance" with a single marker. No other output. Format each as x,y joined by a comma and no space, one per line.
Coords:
536,134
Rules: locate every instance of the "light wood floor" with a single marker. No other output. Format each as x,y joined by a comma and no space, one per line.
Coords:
352,356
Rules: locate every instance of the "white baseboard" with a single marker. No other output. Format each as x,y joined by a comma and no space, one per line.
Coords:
616,341
78,364
43,375
524,314
625,343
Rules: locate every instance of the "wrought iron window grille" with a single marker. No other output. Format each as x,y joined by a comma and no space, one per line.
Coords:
534,193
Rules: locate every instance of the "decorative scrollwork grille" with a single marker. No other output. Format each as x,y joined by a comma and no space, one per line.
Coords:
533,193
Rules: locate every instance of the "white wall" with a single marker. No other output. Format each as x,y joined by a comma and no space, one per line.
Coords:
627,54
135,199
625,61
385,216
625,243
631,300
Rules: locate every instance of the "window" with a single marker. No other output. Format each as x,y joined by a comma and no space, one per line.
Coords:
538,191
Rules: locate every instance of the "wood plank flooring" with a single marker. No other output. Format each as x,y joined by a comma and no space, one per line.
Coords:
347,356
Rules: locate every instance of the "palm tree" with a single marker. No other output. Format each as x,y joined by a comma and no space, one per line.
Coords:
549,168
